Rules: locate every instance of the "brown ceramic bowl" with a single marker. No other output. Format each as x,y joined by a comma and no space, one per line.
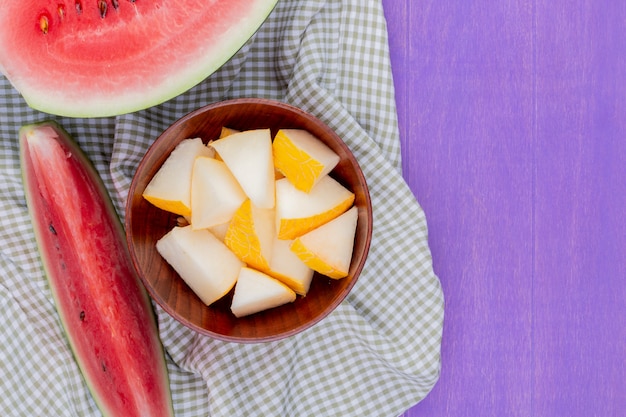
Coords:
145,224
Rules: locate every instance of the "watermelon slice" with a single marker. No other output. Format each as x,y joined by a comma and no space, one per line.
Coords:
105,310
90,58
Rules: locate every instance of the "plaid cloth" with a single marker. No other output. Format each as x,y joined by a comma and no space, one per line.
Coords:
376,355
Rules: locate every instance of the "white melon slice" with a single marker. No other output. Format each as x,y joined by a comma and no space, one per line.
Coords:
298,212
328,249
219,230
248,155
170,188
215,193
302,157
256,291
208,267
288,268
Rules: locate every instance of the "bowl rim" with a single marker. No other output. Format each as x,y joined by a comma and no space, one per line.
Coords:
333,303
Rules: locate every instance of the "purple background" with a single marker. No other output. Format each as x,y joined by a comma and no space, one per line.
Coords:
513,125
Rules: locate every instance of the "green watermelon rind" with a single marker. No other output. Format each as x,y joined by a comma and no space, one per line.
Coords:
92,176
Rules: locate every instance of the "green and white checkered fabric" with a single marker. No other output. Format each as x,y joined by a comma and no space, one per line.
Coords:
376,355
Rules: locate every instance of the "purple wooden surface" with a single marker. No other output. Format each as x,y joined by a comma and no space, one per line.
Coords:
513,126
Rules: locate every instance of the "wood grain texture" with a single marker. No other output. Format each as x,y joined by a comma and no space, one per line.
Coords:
513,125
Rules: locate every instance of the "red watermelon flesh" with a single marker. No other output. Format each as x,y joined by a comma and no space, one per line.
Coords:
105,310
89,58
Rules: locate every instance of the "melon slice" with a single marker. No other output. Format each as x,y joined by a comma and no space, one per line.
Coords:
298,212
105,311
102,58
248,155
288,268
251,234
328,249
208,267
215,193
220,230
256,291
302,157
170,188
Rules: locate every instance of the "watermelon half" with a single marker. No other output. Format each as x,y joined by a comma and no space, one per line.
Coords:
104,308
90,58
